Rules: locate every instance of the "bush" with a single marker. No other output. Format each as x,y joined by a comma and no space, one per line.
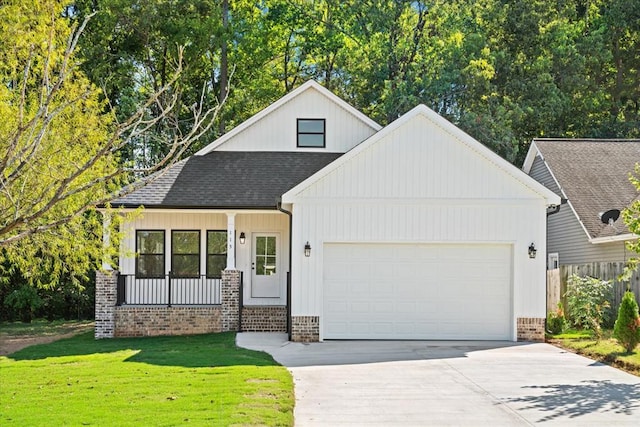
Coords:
587,302
556,322
24,301
627,327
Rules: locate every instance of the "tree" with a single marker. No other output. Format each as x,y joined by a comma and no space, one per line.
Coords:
587,302
61,141
627,327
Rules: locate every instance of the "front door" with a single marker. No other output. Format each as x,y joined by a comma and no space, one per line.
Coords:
265,266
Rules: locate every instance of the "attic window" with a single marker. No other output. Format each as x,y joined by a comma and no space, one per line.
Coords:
311,133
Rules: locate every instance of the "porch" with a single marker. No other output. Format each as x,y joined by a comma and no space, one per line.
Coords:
198,272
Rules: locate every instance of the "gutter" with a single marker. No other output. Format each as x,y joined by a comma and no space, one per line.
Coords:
556,208
290,215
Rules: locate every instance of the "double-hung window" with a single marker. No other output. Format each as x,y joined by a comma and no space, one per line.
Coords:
185,253
311,133
216,253
150,249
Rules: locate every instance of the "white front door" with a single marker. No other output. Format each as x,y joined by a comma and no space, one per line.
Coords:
265,265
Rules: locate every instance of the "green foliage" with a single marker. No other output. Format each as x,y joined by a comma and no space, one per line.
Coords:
587,302
194,380
24,301
627,327
55,157
556,322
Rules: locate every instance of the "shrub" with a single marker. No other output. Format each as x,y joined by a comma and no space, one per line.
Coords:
556,322
24,301
587,302
627,327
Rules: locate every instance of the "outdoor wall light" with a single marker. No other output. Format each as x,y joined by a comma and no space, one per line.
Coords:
242,238
307,250
532,251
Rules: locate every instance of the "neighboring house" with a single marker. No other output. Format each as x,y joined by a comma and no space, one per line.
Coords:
310,218
592,177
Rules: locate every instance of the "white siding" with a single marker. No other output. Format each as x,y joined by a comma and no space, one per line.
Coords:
418,160
277,131
418,184
276,222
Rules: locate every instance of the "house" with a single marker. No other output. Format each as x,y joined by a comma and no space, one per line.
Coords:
592,178
312,219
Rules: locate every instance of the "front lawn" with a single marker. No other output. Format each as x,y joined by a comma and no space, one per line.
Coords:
159,381
606,350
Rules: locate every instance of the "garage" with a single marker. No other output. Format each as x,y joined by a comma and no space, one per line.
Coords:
417,291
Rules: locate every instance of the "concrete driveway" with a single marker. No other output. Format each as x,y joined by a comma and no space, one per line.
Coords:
422,383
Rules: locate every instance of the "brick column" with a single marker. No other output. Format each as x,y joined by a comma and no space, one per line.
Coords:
531,329
305,329
106,289
230,300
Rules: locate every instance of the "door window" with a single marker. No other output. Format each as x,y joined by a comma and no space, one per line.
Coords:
265,255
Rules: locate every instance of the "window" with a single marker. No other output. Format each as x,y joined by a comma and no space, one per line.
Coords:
185,253
311,133
150,249
265,255
216,253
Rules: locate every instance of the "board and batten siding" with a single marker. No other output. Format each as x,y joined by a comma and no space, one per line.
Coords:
277,131
565,234
418,184
275,222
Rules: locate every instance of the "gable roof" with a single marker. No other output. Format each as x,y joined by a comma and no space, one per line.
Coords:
227,179
309,85
457,133
593,174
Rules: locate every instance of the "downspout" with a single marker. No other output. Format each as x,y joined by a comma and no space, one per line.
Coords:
554,210
290,215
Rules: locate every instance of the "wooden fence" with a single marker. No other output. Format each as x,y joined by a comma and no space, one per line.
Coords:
557,281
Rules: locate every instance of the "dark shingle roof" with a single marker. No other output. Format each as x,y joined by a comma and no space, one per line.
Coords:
228,179
594,175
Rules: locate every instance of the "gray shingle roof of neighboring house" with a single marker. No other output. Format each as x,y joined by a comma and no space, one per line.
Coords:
594,176
228,179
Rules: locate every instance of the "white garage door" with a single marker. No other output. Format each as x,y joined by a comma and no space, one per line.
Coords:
409,291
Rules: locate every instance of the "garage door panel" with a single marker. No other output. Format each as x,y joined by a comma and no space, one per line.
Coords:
412,291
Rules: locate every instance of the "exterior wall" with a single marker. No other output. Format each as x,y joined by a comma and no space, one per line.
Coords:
136,321
278,132
567,237
565,234
264,319
248,223
419,184
305,328
531,329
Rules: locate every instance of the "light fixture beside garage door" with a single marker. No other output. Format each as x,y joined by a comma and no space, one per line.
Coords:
307,250
532,250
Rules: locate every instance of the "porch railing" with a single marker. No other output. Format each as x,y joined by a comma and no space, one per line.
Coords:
168,290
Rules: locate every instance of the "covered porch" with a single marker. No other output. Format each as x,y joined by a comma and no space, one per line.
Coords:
180,263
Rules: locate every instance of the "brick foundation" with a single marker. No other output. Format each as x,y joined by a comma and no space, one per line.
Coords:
106,285
531,329
137,321
258,318
305,328
230,299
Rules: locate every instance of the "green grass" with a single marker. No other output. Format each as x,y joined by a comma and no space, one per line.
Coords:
43,327
156,381
606,350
